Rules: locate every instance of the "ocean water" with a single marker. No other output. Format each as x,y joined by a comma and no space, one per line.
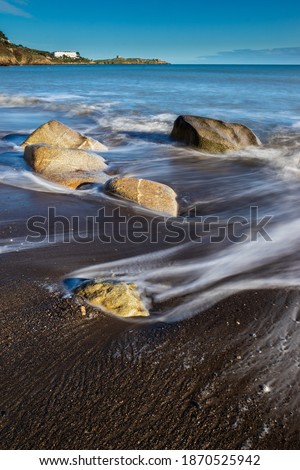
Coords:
131,109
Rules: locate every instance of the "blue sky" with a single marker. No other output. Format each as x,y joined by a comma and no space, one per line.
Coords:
195,31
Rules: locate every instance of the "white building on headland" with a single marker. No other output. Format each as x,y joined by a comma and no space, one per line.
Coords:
71,54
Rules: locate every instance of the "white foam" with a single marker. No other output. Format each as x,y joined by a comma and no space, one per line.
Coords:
27,180
154,123
207,279
62,102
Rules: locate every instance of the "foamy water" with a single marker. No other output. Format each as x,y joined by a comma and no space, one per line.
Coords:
131,110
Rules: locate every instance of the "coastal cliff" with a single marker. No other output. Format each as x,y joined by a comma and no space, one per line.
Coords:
13,54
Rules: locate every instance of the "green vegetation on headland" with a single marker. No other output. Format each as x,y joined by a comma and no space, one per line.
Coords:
126,61
13,54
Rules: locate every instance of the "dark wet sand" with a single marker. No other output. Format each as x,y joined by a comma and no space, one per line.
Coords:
94,382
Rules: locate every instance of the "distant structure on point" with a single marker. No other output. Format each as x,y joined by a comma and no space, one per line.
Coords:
70,54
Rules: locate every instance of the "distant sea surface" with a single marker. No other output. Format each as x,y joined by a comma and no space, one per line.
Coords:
147,98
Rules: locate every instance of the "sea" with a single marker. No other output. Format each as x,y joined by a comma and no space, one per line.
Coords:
131,109
244,203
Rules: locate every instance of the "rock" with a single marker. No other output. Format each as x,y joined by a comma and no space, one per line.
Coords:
149,194
265,388
57,134
114,297
68,167
212,135
73,181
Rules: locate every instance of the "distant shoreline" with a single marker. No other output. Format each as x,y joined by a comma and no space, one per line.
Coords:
144,63
17,54
84,63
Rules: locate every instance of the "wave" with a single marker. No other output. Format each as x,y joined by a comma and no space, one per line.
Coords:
137,123
17,244
185,272
27,180
105,114
183,281
63,103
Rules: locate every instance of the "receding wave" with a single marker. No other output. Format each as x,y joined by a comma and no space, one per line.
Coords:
27,180
197,280
180,282
139,123
70,104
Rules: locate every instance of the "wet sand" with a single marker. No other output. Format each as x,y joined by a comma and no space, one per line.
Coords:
95,382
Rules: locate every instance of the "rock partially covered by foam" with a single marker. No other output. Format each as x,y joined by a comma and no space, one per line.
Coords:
114,297
212,135
57,134
68,167
155,196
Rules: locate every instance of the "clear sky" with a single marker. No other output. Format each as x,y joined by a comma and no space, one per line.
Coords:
191,31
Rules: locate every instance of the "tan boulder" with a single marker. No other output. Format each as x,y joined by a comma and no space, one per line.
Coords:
68,167
212,135
57,134
114,297
74,181
155,196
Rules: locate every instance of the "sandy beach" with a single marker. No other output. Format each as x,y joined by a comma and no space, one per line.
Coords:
95,382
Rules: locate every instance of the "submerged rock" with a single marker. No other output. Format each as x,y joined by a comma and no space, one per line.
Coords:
114,297
57,134
212,135
68,167
149,194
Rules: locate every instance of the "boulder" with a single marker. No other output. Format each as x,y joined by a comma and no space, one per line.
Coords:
114,297
57,134
149,194
212,135
68,167
74,181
